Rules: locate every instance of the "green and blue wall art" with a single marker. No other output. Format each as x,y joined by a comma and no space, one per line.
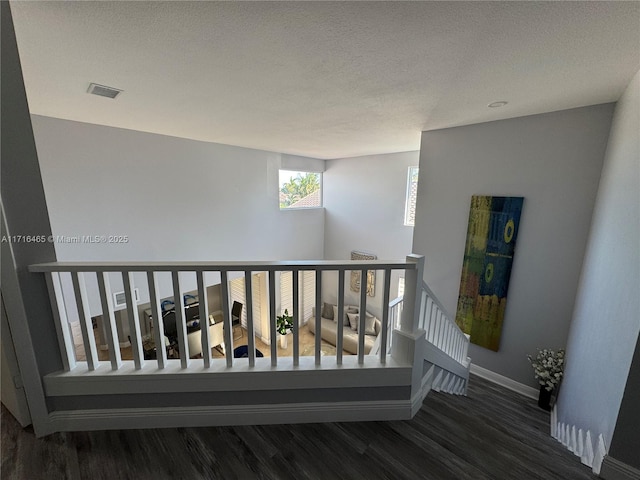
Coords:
488,256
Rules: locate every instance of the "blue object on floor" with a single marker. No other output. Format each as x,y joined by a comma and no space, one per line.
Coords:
243,352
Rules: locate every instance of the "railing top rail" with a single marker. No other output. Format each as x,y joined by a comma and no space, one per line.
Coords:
396,301
435,300
296,265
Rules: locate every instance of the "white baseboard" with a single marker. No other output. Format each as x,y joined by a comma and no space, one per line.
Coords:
505,382
425,388
139,418
613,469
581,443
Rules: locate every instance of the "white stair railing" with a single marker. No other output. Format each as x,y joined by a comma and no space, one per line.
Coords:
441,330
395,315
84,276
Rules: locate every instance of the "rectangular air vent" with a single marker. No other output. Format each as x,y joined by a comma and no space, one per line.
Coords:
120,300
103,90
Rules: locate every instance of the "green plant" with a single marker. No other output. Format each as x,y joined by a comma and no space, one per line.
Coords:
548,366
284,323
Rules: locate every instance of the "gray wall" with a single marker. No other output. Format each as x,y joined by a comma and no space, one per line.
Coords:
554,160
24,204
364,198
606,321
176,199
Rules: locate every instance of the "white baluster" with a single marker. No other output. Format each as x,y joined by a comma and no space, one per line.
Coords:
423,307
109,320
228,323
413,289
181,324
433,322
340,319
443,333
65,338
272,318
158,324
296,317
318,339
440,329
362,315
385,315
203,308
134,321
443,330
86,326
429,317
251,340
436,325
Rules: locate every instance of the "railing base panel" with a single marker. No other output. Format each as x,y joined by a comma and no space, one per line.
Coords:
219,377
136,418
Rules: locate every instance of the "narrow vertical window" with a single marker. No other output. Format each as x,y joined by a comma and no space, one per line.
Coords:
412,196
401,287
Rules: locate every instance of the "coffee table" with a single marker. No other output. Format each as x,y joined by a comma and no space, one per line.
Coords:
325,349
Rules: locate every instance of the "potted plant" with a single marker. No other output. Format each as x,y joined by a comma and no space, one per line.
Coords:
284,325
548,367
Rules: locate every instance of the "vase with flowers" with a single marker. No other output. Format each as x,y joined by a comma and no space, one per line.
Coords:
548,367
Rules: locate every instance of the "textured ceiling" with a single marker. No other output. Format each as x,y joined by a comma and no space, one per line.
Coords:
321,79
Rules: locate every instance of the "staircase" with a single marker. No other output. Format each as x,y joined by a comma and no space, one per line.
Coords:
446,365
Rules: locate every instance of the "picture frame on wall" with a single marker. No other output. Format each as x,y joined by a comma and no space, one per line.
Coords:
356,274
488,256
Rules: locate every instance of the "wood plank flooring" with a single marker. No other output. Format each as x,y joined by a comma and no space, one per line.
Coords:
492,434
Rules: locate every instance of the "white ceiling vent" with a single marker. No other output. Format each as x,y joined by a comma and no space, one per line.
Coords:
103,90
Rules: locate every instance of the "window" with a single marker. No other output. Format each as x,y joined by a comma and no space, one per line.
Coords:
300,189
412,195
401,287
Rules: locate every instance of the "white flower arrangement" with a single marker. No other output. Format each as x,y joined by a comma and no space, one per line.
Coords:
548,367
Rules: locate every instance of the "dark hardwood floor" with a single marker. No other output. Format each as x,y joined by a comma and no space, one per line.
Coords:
492,433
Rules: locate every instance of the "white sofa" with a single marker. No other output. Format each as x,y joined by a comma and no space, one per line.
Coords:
329,327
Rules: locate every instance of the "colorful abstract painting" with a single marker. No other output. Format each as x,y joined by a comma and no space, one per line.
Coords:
488,256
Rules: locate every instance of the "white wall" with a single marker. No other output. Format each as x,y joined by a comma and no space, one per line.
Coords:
364,199
606,319
554,160
175,199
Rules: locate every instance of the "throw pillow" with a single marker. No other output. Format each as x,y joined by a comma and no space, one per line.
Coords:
369,324
353,320
327,311
347,310
335,313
